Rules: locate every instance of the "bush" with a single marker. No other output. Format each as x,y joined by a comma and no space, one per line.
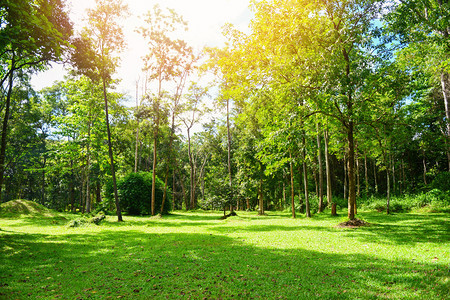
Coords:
135,191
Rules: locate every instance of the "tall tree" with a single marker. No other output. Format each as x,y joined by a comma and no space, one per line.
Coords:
424,27
32,34
95,57
162,63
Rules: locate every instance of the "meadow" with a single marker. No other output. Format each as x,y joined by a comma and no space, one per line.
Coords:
195,255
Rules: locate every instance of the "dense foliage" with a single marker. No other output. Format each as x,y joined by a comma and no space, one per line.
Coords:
320,103
135,193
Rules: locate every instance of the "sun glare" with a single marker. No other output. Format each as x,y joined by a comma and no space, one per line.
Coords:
205,20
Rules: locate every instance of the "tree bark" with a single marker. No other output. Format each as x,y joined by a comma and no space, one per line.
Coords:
319,156
366,178
111,157
260,192
136,151
155,144
375,177
328,170
5,127
229,156
351,172
292,185
345,177
305,178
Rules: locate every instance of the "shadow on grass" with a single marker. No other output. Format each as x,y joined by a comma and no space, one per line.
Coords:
406,229
133,264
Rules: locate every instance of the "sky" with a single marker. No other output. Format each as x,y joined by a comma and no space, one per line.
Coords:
205,19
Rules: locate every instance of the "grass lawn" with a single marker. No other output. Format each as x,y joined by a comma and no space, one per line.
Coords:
195,255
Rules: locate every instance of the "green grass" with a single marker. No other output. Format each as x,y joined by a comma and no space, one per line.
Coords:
195,255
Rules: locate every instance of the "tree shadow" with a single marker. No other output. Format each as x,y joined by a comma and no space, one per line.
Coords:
404,229
136,265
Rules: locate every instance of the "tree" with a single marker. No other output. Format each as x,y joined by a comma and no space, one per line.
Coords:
162,62
94,57
31,36
194,110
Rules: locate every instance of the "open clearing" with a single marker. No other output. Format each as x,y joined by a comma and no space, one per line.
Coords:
195,255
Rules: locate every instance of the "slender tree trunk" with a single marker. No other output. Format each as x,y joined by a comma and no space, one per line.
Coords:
366,177
300,189
172,130
403,177
305,178
424,163
72,188
136,151
292,185
393,175
358,182
388,184
111,157
43,178
155,144
5,127
229,156
328,170
260,192
445,91
375,177
192,171
319,156
88,167
345,177
351,173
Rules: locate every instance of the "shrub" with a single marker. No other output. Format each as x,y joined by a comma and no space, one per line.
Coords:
135,191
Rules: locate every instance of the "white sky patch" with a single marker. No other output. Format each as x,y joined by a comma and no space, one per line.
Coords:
205,20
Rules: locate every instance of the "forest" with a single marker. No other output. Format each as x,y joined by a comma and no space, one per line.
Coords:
307,157
320,104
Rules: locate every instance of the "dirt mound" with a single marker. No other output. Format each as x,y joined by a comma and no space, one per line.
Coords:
24,207
355,223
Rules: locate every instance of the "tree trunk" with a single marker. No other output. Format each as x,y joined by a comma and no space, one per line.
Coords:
229,156
191,173
446,91
172,130
88,167
345,177
111,157
155,144
375,177
72,188
292,185
328,170
351,173
319,156
305,178
388,184
260,192
358,182
424,164
366,178
393,175
136,151
5,127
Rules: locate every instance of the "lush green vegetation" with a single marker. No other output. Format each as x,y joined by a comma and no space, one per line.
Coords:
320,104
194,254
